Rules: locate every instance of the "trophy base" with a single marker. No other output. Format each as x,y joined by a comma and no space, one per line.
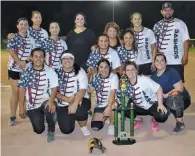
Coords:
129,141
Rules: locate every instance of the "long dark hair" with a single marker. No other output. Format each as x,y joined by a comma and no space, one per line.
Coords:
134,44
76,68
84,16
107,62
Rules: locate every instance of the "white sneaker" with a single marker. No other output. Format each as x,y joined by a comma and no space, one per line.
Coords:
111,130
85,131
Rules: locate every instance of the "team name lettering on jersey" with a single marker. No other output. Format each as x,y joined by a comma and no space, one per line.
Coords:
170,36
144,40
147,48
176,56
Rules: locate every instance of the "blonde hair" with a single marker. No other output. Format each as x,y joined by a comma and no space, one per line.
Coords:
131,17
112,25
35,12
135,13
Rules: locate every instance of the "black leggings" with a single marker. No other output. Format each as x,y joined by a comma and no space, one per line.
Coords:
179,113
66,121
37,119
158,116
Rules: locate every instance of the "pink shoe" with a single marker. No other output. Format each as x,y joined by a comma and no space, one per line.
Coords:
138,121
137,125
155,125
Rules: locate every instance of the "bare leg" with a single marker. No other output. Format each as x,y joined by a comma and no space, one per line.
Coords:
14,97
92,101
82,123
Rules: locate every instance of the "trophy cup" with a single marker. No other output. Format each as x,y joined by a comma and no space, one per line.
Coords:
122,138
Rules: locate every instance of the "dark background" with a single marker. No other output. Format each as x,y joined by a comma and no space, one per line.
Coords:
98,13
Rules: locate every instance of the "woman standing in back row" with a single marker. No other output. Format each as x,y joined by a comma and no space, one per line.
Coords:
81,41
146,43
146,46
112,30
19,49
35,31
54,46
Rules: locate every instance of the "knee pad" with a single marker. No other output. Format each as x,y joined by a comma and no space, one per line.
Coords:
97,125
178,113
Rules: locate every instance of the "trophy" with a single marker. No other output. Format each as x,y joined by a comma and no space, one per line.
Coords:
122,138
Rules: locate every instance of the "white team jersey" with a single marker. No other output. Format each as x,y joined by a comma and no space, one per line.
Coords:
126,54
111,56
38,35
102,87
170,36
143,92
144,40
70,84
22,46
37,84
54,50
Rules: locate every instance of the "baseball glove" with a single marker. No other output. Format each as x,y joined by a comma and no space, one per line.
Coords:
95,143
175,100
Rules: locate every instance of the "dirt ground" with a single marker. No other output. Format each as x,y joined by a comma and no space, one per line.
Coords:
20,140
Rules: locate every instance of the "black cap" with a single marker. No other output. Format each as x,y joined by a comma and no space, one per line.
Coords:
167,5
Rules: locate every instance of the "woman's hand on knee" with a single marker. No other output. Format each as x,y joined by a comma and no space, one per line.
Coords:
107,111
162,108
72,108
51,107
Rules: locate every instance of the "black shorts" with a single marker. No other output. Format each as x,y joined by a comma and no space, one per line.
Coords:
99,109
145,69
180,69
13,75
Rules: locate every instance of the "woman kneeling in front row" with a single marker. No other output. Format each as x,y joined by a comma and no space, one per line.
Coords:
146,94
73,101
105,85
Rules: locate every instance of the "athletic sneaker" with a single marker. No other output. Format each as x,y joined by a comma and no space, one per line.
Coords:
137,125
155,125
179,127
85,131
111,130
12,121
50,136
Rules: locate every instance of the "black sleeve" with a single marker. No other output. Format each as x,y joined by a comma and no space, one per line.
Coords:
68,38
92,38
